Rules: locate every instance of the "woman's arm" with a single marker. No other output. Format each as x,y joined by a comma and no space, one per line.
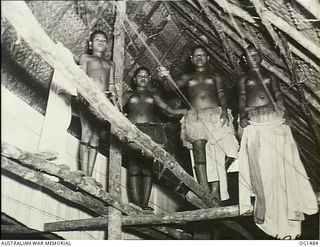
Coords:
169,111
276,90
167,81
111,84
125,97
222,100
83,60
244,121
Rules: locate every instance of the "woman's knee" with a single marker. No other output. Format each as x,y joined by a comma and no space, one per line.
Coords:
86,135
94,142
199,150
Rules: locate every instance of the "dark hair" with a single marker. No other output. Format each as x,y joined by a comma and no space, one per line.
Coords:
152,84
140,69
199,47
94,33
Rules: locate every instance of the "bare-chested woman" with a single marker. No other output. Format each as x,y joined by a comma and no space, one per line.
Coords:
206,127
141,106
101,70
269,165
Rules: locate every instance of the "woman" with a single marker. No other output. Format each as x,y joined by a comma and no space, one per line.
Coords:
140,105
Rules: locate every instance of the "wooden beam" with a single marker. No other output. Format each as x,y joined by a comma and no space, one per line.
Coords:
16,229
304,57
293,33
186,216
235,10
9,152
73,177
312,6
151,219
60,190
249,37
61,59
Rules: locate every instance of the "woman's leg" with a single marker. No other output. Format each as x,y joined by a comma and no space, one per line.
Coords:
134,180
93,151
85,141
147,181
199,154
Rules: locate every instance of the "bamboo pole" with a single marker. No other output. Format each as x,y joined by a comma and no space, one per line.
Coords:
62,60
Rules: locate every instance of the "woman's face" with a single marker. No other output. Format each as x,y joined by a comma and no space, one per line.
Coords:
99,43
199,57
142,78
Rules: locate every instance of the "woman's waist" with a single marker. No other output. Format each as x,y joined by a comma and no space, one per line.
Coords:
265,113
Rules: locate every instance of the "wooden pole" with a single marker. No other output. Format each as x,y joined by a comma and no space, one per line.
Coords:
150,219
115,157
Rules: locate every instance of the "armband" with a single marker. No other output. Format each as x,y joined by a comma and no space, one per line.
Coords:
109,94
242,93
111,83
220,91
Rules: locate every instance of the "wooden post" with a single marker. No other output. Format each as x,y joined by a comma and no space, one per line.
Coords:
115,158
